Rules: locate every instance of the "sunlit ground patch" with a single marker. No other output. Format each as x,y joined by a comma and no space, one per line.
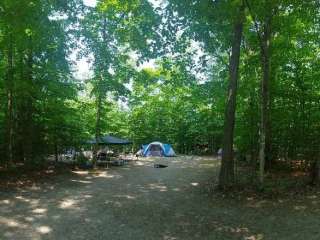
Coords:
87,196
130,197
114,203
12,223
39,210
6,201
300,208
68,203
44,229
81,172
23,199
29,219
159,187
107,175
81,181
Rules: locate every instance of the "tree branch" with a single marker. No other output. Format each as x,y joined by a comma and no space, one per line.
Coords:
256,25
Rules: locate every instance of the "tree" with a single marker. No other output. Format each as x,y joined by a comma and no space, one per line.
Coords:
104,36
264,33
35,44
226,176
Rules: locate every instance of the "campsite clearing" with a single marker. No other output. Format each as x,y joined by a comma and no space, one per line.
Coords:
139,201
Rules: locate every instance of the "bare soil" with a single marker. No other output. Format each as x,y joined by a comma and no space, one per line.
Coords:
139,201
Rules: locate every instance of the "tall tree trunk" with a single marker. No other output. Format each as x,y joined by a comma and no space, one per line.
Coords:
20,111
9,110
226,177
264,33
100,94
265,99
56,155
315,170
29,132
252,153
56,150
98,128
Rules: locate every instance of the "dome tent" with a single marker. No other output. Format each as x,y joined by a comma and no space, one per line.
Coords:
158,149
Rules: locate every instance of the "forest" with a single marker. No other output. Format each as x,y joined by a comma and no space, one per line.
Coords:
241,75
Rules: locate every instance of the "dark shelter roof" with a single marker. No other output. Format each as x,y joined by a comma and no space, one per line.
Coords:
110,140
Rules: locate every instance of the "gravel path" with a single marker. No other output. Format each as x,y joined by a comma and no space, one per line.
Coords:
141,202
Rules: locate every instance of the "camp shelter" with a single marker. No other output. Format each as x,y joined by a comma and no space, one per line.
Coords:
110,140
158,149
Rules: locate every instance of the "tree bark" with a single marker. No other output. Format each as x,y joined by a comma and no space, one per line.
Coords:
98,128
226,177
315,171
265,99
56,152
9,111
100,94
28,126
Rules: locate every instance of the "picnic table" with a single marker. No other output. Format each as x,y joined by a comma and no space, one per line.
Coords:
114,161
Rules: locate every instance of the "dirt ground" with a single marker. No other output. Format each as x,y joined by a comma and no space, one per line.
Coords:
139,201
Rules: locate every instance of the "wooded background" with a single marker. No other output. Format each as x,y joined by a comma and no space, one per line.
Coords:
267,52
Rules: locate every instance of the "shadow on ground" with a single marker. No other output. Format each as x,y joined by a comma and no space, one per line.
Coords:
141,202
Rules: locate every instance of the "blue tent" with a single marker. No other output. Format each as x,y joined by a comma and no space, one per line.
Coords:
157,149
